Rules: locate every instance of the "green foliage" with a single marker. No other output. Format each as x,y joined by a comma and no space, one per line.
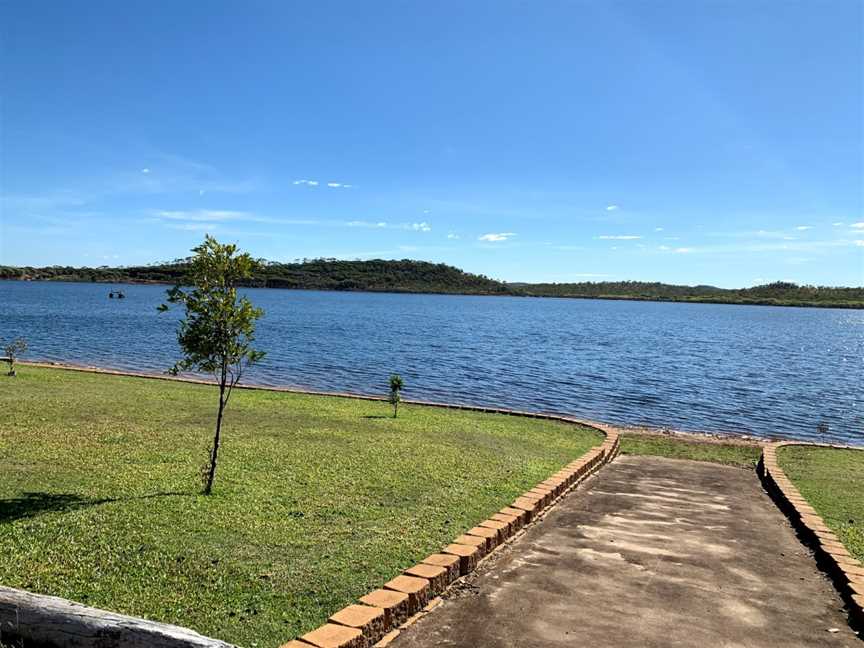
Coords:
321,501
13,349
832,481
422,277
218,330
395,389
775,294
730,454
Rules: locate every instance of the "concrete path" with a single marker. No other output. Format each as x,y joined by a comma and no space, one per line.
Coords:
650,552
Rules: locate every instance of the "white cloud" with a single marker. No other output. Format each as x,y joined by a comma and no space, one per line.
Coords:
359,223
201,215
618,237
194,227
857,225
612,208
452,236
658,229
145,170
683,250
804,228
664,248
859,243
501,236
308,183
838,224
334,185
421,227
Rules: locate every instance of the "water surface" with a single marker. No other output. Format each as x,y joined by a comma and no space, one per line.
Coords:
766,371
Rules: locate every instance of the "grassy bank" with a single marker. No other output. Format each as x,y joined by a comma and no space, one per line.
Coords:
730,454
317,499
833,482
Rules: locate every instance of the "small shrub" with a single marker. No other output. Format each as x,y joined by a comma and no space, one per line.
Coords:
395,387
15,348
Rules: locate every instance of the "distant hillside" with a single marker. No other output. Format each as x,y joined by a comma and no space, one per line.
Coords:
315,274
774,294
424,277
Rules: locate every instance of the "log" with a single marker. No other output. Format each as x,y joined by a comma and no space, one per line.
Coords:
51,622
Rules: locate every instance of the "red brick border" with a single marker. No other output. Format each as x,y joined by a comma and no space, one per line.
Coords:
378,615
437,572
845,570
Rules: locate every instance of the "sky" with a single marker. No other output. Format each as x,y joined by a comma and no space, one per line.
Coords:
688,142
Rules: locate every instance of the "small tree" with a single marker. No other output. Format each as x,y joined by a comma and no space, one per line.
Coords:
217,333
395,388
15,348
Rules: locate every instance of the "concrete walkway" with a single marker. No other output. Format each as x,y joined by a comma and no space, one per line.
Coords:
651,552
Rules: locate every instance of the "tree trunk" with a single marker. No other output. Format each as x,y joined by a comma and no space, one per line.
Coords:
395,408
28,619
214,454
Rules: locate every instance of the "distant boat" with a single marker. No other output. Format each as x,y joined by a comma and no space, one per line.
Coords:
116,293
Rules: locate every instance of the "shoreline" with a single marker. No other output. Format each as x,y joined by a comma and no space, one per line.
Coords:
625,298
708,437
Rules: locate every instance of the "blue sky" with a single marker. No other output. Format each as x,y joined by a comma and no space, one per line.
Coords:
687,142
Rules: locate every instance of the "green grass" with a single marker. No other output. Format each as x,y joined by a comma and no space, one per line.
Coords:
833,482
317,499
730,454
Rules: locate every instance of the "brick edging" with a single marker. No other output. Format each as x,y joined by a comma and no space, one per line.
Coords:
847,573
376,619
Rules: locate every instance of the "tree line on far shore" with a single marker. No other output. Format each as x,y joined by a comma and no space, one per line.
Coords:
424,277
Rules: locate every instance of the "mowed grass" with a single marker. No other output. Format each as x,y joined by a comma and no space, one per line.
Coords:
730,454
832,480
317,499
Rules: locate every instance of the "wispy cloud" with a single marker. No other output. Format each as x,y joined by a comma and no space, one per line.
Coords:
194,227
658,229
204,215
145,170
859,243
859,225
421,227
803,228
618,237
496,237
308,183
361,223
612,208
452,236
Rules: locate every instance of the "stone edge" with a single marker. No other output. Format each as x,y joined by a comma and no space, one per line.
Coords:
549,492
846,572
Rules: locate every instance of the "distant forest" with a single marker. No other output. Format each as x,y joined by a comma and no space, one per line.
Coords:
423,277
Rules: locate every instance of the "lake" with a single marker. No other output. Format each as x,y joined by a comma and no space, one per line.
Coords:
760,370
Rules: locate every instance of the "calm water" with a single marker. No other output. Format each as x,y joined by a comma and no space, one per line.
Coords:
758,370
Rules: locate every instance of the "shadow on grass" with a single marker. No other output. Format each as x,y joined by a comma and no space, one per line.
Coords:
32,504
377,416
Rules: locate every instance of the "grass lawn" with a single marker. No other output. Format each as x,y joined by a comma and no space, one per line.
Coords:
317,499
731,454
833,482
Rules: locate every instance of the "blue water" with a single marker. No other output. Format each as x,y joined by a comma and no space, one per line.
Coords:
757,370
